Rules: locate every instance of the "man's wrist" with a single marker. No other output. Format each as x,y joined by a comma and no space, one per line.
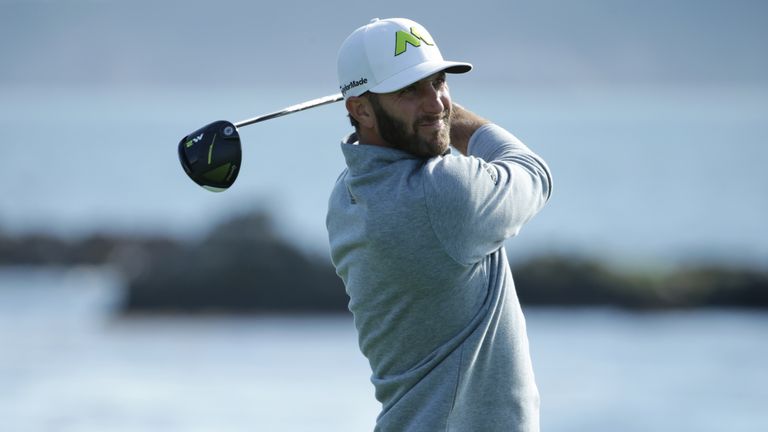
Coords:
464,124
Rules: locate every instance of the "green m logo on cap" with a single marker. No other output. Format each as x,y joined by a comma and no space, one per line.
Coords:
415,38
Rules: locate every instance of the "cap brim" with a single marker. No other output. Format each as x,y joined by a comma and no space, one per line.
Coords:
419,72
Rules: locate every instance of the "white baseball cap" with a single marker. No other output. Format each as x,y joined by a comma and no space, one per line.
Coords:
388,55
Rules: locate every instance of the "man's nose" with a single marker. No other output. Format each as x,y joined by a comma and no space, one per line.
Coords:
433,102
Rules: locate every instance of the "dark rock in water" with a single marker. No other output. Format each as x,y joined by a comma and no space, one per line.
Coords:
39,249
568,281
718,286
240,267
574,281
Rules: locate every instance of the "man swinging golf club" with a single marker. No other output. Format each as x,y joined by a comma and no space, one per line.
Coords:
416,234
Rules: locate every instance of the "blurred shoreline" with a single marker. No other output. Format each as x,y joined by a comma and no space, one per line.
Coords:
243,266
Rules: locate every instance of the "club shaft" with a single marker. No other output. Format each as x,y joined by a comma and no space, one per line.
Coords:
292,109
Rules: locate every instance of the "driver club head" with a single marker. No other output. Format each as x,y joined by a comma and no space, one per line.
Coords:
211,155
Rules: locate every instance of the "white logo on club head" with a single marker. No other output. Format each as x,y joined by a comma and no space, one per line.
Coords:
229,130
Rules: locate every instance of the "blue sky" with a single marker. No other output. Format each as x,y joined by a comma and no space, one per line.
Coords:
238,42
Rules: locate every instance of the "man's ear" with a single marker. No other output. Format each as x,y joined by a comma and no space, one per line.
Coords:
361,110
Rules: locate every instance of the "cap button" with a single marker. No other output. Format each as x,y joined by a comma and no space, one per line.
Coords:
374,20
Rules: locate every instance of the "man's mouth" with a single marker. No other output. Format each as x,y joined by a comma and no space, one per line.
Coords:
435,123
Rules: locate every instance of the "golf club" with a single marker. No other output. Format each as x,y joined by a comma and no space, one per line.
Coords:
211,156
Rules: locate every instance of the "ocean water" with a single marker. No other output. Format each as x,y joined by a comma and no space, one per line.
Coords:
642,174
68,363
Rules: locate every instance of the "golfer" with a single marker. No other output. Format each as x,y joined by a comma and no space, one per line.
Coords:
417,233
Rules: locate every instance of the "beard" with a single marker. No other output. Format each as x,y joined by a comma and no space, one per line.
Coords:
397,133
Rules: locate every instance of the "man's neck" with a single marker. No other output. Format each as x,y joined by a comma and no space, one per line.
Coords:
370,137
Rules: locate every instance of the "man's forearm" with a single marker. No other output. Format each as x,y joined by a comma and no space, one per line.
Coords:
464,123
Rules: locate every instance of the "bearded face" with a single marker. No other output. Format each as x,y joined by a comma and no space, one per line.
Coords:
425,135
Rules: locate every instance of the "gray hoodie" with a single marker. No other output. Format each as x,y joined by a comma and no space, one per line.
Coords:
419,246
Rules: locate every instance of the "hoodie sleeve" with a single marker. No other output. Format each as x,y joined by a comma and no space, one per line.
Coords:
478,201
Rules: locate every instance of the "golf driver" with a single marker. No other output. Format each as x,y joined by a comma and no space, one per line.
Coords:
211,156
